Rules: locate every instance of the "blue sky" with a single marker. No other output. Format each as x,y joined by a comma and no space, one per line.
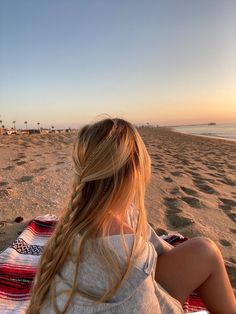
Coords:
63,63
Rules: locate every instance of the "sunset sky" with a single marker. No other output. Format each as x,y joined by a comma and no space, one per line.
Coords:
63,63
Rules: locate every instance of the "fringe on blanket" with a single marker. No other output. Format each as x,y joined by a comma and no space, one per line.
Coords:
19,262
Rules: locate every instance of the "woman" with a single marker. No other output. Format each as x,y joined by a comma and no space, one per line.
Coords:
102,257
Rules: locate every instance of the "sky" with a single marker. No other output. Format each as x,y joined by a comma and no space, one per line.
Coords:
66,63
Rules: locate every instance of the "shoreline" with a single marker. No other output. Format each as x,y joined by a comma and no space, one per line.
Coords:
205,136
172,129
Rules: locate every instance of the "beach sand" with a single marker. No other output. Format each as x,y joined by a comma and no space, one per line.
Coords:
192,191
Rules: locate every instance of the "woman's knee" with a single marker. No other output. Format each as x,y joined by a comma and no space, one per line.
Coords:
207,249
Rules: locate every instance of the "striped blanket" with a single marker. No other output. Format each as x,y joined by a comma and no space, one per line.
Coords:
19,262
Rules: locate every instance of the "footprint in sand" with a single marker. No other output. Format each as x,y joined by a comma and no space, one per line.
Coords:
177,166
39,170
197,159
17,159
215,175
156,157
175,191
232,216
228,181
185,162
231,167
168,179
171,201
192,201
232,230
227,205
60,162
204,187
172,205
210,180
8,168
24,145
211,167
176,173
228,201
225,242
196,175
25,179
21,155
159,166
178,222
194,168
19,163
3,183
62,157
189,191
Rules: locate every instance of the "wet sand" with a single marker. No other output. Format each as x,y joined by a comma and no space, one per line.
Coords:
192,191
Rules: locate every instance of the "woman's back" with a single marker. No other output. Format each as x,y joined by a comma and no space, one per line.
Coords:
139,293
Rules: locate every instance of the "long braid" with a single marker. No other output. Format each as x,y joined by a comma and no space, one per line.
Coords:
54,253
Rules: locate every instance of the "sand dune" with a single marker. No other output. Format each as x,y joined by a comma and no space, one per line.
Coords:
192,191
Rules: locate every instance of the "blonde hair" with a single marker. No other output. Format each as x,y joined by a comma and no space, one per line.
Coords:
112,167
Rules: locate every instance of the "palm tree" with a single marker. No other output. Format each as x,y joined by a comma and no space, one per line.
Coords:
14,122
25,124
38,124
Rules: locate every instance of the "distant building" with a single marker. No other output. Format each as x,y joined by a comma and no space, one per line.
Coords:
26,132
3,131
11,131
45,131
34,131
30,131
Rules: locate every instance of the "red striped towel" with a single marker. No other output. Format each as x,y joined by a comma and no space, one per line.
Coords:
19,262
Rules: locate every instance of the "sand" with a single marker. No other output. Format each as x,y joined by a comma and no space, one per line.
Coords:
192,191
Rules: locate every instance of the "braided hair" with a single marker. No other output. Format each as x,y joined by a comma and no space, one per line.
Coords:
111,168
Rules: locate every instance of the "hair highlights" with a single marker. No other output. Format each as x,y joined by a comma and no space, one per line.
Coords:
112,167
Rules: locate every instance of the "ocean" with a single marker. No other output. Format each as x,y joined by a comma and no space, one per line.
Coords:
225,131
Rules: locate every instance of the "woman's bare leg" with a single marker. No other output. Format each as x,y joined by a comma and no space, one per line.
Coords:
197,265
